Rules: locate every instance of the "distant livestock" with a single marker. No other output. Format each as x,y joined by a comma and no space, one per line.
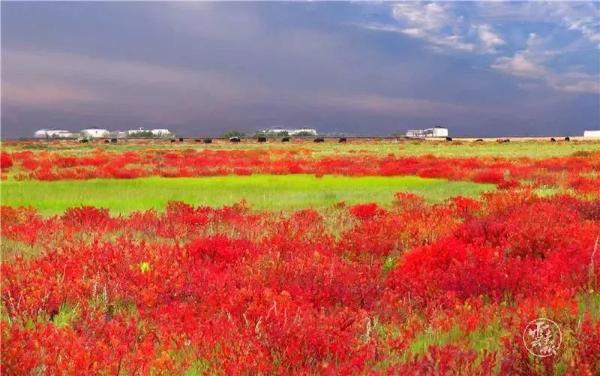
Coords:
180,139
319,139
285,139
567,138
113,140
173,140
262,139
552,139
234,139
479,140
207,140
84,141
342,140
503,140
448,138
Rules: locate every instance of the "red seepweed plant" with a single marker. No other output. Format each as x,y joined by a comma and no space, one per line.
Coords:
413,288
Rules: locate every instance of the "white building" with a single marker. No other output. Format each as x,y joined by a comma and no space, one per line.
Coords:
53,133
143,132
133,132
291,131
429,132
118,134
161,132
95,133
592,133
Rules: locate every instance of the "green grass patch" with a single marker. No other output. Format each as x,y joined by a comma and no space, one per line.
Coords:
271,192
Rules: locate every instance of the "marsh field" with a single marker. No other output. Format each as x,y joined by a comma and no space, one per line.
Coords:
370,256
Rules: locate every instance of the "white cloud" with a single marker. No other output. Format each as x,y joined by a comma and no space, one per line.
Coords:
520,65
431,22
578,16
489,38
441,27
526,63
581,17
423,16
531,63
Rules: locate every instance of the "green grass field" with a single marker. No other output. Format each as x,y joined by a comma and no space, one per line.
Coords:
273,192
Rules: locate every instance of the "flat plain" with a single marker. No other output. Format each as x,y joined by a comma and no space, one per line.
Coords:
373,256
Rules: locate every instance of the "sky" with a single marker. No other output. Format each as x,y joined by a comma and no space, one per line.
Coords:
362,68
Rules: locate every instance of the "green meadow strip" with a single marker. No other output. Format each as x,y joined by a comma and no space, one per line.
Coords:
271,192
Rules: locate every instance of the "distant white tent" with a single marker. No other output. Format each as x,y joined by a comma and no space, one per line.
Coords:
290,131
95,133
429,132
143,132
53,133
161,132
592,133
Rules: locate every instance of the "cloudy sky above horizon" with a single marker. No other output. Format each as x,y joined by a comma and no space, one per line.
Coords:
482,69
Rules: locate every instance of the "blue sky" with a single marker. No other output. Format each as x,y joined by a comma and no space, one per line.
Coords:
482,69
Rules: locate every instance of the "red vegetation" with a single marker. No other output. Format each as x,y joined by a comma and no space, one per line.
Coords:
349,290
5,161
575,172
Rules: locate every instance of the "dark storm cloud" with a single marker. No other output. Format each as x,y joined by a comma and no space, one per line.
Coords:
203,68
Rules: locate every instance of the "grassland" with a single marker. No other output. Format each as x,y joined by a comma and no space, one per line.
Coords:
466,148
273,192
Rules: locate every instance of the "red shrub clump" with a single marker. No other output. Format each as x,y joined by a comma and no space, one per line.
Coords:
410,288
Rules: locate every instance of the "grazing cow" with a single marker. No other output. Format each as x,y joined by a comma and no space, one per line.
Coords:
106,141
234,139
552,139
448,138
180,139
285,139
503,140
84,141
567,138
479,140
319,139
342,140
173,140
207,140
113,140
262,139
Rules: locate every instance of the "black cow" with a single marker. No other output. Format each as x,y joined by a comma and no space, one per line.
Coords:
180,139
207,140
342,140
113,140
285,139
262,139
448,138
319,139
567,138
479,140
553,139
234,139
84,141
